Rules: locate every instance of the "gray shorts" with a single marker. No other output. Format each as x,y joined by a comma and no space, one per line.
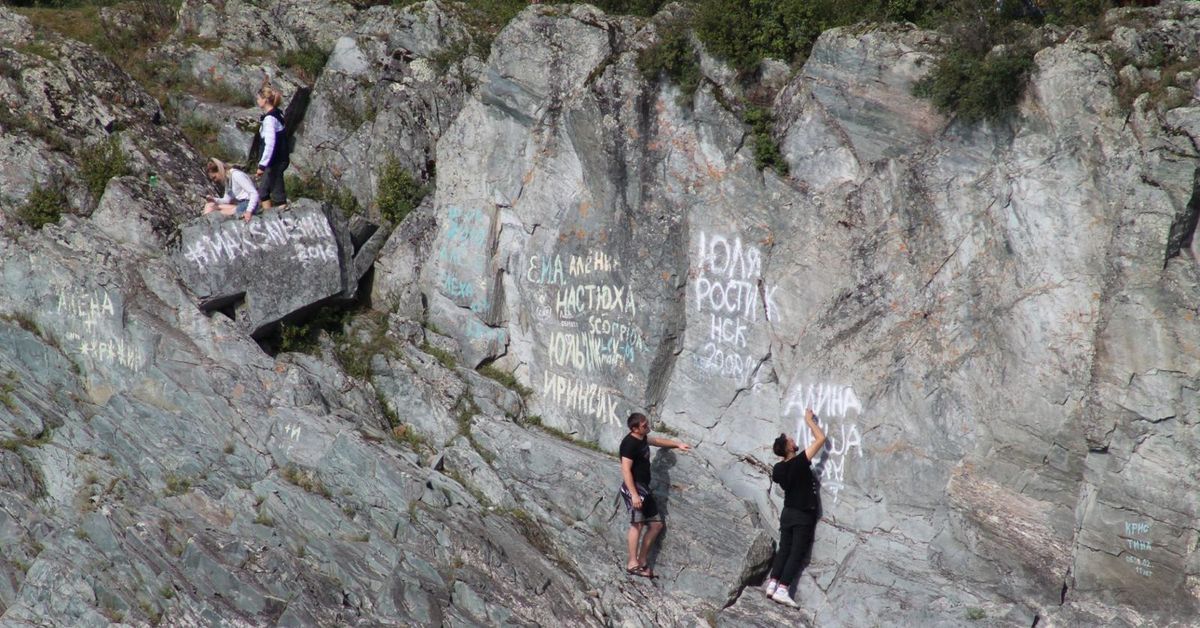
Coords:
649,510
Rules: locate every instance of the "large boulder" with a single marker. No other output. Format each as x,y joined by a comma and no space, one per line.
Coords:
280,263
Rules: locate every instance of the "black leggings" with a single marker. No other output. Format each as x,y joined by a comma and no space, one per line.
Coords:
795,542
271,184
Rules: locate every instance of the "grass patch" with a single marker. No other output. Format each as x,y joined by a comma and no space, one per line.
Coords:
176,485
306,480
977,87
663,428
506,379
150,22
223,93
23,440
7,387
101,162
441,355
36,127
314,188
408,437
536,421
263,519
39,49
202,135
975,614
347,113
308,61
397,192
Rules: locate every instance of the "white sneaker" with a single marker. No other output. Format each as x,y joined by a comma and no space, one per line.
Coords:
769,587
781,595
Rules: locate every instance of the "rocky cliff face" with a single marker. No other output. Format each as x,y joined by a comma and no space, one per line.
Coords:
995,324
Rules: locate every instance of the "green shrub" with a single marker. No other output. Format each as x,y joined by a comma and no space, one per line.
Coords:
43,206
309,61
314,188
297,339
397,192
978,87
675,58
766,149
744,32
100,162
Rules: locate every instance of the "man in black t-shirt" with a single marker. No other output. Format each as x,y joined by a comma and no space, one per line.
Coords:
635,490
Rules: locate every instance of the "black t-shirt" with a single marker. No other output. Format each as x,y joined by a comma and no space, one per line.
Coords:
637,450
799,484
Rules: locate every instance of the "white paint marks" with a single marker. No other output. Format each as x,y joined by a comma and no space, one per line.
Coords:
832,403
729,288
310,238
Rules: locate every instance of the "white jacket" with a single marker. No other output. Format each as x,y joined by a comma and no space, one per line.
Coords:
238,185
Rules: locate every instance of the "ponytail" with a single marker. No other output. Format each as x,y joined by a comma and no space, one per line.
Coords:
270,95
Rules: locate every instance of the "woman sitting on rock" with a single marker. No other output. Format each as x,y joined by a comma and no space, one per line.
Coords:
241,197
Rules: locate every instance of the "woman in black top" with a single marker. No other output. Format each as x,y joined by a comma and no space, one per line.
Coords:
800,503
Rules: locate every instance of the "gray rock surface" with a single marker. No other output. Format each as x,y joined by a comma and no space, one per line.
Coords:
989,320
995,324
62,99
389,90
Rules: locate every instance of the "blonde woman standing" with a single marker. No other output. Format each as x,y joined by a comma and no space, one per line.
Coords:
275,155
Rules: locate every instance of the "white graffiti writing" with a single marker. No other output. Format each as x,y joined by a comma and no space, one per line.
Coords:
723,362
87,307
832,405
1141,565
235,239
550,269
727,285
94,327
586,351
729,279
584,398
572,301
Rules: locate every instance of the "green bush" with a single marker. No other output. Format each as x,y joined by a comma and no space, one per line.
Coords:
397,192
43,206
766,149
100,162
744,32
675,58
977,87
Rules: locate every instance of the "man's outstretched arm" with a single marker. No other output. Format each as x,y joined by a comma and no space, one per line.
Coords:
667,443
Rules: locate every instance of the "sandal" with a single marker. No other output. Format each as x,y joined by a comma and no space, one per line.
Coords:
639,571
